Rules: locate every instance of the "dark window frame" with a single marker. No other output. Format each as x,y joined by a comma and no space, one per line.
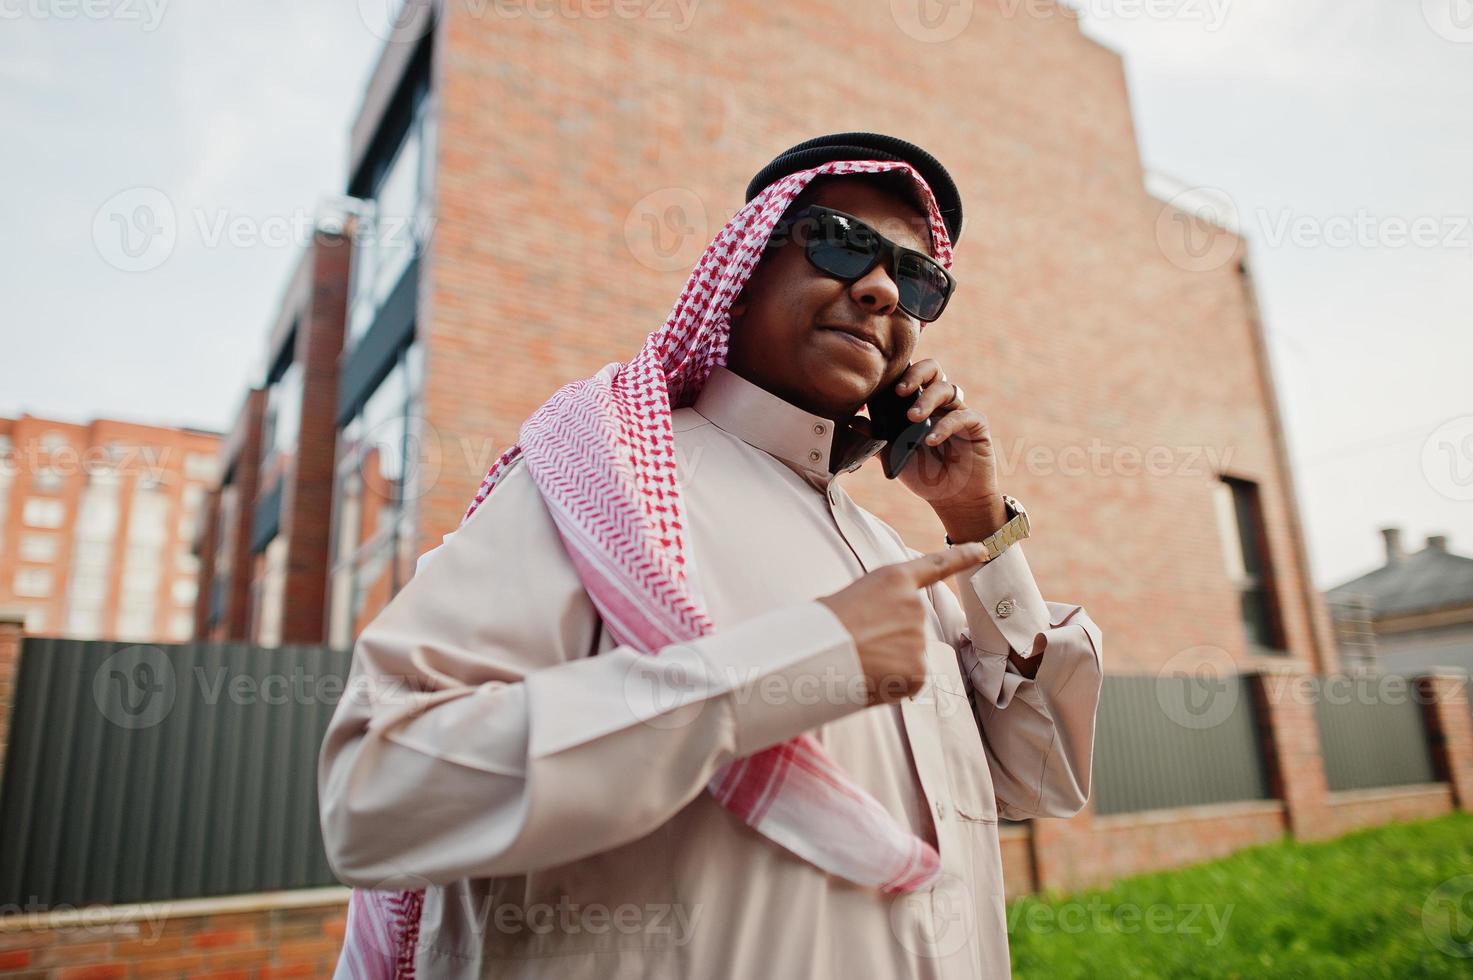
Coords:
1261,613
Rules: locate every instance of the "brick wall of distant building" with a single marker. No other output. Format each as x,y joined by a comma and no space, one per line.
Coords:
1121,364
130,575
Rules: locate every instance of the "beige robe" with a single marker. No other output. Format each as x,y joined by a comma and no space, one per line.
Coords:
554,802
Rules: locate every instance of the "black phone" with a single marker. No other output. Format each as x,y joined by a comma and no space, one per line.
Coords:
890,423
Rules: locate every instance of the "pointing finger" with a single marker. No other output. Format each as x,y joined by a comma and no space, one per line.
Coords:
929,569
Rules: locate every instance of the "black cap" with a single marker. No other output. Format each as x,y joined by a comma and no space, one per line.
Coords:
867,146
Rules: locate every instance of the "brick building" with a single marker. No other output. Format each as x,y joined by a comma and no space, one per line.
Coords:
542,186
263,545
534,190
95,526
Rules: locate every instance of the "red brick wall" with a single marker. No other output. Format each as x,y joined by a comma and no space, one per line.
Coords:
564,140
307,500
291,934
1373,807
1017,860
207,541
1444,701
1290,736
235,618
10,638
1081,852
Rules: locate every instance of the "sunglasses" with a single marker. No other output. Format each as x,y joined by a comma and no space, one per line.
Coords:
842,246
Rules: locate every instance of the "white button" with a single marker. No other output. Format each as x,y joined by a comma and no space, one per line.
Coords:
818,428
815,455
940,810
1005,608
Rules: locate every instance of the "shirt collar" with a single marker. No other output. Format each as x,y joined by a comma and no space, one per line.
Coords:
814,446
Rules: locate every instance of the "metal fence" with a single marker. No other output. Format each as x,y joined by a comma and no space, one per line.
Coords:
1176,740
146,773
1372,733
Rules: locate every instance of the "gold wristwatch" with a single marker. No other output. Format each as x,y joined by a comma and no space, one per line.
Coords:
1015,530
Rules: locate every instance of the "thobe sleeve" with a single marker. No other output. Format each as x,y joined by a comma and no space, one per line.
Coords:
479,735
1038,733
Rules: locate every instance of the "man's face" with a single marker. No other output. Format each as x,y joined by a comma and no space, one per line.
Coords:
788,323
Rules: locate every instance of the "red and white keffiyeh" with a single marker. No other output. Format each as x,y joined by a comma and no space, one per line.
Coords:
602,453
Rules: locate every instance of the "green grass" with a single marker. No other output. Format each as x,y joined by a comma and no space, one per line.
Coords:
1349,908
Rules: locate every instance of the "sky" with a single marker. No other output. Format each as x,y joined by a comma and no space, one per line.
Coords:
1335,132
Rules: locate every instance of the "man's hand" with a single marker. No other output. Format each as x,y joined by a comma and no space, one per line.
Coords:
956,470
886,615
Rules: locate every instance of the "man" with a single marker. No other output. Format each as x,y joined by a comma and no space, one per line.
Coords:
804,779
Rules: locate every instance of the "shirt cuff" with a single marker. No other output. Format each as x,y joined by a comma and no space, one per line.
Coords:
1004,608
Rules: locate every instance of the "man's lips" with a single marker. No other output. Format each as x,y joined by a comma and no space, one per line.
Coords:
858,337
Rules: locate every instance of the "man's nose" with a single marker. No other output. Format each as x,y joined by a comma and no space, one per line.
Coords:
876,291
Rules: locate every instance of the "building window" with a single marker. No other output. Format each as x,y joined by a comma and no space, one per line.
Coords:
47,480
200,466
185,591
374,494
1245,550
36,620
56,456
83,624
189,514
143,566
194,497
41,512
282,422
7,475
271,593
135,623
181,626
33,583
39,547
92,552
392,230
224,551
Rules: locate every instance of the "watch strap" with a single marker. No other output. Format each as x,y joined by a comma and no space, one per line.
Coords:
1015,530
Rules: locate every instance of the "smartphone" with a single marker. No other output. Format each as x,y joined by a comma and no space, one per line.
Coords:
890,423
